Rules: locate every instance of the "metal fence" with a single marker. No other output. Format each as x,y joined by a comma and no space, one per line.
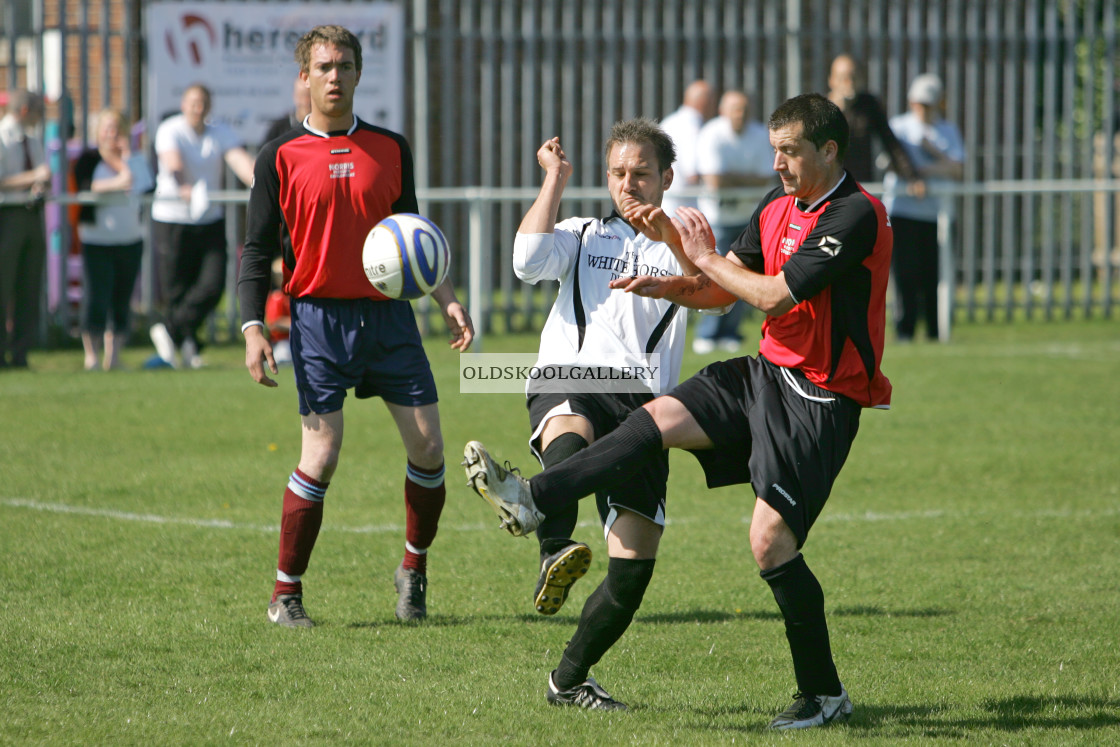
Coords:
975,285
1031,83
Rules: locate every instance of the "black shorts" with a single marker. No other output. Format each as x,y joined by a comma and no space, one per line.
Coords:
645,494
789,446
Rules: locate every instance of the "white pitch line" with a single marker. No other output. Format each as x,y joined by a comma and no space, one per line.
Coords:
107,513
63,508
865,516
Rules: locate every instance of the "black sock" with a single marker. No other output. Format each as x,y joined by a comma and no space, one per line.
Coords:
801,600
557,528
606,616
605,464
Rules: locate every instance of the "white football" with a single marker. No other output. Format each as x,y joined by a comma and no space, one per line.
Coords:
405,256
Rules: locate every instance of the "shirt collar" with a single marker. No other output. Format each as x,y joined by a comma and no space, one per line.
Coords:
815,205
307,126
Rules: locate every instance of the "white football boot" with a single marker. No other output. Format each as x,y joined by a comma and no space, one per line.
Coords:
506,491
807,711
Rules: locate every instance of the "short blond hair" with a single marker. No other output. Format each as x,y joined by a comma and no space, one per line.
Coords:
106,113
337,36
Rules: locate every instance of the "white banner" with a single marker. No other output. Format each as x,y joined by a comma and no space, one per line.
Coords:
243,52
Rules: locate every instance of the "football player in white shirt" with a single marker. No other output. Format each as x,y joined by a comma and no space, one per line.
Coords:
603,320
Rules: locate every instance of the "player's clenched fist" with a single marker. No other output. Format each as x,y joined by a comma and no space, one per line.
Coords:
551,156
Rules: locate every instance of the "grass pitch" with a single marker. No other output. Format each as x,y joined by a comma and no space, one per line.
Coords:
969,556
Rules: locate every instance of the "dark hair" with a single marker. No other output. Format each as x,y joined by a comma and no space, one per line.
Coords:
21,97
643,131
337,36
822,120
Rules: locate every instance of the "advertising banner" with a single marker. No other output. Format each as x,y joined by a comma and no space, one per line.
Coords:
243,52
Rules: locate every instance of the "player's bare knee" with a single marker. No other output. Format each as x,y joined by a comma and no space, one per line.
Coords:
319,464
427,454
772,545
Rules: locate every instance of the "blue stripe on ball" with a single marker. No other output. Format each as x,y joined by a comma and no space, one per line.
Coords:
409,288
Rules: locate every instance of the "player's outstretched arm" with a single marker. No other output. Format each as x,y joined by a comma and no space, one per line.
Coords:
258,352
690,291
767,293
458,321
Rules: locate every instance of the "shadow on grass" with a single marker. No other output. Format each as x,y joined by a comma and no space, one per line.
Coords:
718,616
1041,711
1020,713
1011,715
700,616
451,621
870,611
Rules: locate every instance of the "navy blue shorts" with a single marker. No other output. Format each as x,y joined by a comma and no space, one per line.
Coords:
373,347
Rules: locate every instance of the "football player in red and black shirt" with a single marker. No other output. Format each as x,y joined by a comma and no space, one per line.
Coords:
815,259
317,191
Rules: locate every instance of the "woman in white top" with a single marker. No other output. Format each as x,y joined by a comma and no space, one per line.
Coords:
111,242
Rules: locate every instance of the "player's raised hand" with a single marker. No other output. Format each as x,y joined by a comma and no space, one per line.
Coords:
551,156
651,220
696,236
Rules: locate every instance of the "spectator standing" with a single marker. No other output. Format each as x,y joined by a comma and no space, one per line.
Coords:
25,177
301,107
816,259
936,148
733,152
683,127
187,229
317,193
112,242
867,122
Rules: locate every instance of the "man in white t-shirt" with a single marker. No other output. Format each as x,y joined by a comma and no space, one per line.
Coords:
683,126
187,229
733,152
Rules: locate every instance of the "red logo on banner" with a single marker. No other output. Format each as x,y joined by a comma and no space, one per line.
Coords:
193,32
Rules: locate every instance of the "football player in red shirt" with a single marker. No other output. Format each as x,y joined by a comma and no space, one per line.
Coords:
317,192
815,259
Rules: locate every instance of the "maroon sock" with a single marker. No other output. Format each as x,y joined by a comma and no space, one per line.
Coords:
299,528
415,561
424,496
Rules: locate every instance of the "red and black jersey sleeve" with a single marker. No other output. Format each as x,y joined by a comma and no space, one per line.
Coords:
264,231
844,236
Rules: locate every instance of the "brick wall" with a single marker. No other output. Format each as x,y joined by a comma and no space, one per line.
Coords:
94,69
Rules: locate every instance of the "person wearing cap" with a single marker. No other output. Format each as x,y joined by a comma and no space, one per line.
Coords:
936,148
